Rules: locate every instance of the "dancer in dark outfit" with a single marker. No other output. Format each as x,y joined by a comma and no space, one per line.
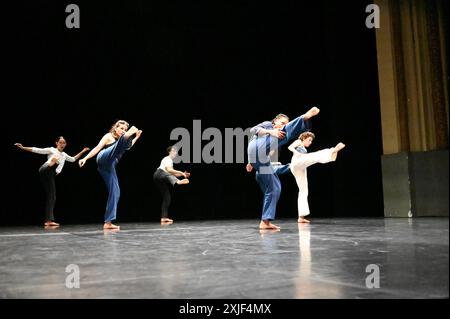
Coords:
165,178
56,157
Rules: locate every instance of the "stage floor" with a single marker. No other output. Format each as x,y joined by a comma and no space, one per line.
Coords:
230,259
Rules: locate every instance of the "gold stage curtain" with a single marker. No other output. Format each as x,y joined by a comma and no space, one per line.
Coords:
413,74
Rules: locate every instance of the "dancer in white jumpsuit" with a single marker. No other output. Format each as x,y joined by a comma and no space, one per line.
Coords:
301,160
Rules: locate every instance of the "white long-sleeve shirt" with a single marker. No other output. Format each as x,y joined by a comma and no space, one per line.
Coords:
50,151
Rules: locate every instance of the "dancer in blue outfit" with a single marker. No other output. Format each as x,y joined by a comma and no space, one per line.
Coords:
110,149
267,138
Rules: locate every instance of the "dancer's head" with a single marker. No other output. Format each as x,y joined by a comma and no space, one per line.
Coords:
307,138
280,121
60,143
172,151
119,128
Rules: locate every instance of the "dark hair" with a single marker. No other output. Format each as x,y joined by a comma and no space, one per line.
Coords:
280,116
59,138
169,149
305,135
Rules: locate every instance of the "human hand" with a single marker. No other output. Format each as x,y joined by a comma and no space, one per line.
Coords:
81,162
277,133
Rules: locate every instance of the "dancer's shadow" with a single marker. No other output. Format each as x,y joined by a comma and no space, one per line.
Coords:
269,238
166,224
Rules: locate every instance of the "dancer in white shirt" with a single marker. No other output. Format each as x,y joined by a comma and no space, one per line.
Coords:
165,177
52,167
301,159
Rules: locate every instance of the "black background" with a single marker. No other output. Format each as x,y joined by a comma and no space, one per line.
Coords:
161,64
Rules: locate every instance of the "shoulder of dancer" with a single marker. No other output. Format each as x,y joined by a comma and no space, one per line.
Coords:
109,138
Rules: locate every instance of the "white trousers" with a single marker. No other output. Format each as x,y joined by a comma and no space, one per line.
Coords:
299,163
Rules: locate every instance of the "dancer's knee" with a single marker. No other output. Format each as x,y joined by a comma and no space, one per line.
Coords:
276,191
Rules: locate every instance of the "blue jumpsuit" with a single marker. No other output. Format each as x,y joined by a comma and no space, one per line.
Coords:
277,169
107,160
258,155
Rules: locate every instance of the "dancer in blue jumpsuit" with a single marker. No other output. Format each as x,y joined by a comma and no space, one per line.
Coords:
267,138
110,150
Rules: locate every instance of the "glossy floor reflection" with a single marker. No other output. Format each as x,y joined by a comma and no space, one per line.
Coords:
230,259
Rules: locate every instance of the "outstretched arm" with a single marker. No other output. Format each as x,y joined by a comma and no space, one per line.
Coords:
84,150
105,139
138,135
176,173
76,157
28,149
34,149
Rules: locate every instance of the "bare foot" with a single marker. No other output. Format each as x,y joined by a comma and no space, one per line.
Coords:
51,223
166,220
303,220
133,130
183,181
337,148
110,225
312,112
266,224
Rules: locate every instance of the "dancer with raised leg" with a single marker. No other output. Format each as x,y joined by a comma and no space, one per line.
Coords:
267,138
109,151
56,157
301,159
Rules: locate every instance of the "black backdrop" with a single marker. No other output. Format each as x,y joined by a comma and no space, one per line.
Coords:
161,64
